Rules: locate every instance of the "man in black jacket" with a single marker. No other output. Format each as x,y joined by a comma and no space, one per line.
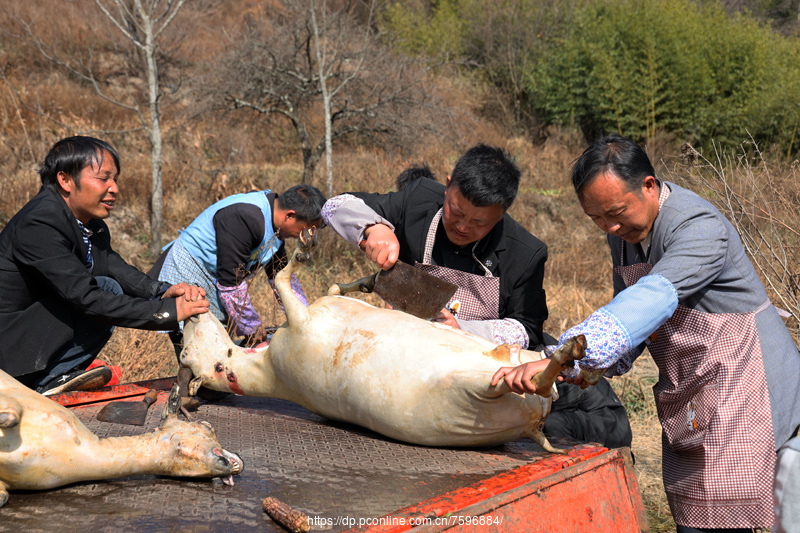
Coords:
62,286
461,232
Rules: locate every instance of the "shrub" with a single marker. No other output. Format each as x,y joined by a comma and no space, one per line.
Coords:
638,66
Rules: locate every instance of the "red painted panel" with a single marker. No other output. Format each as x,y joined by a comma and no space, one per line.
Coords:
126,390
594,490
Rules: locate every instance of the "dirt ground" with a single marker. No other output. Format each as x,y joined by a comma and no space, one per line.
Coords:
635,391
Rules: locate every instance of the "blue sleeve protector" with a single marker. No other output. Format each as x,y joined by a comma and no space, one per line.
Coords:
615,333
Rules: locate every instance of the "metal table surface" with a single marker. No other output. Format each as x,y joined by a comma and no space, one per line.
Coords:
334,472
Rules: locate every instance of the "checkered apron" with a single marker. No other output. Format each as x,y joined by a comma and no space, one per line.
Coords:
717,442
478,296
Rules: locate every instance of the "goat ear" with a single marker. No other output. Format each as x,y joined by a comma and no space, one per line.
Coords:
173,402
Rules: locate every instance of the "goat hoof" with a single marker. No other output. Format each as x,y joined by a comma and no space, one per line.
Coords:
8,419
308,238
190,404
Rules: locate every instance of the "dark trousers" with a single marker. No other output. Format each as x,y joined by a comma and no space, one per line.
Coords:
593,414
90,337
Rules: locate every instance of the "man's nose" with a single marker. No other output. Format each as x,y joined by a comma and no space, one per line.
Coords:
462,226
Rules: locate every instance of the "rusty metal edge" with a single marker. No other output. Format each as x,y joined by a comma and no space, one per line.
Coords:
460,499
116,392
633,488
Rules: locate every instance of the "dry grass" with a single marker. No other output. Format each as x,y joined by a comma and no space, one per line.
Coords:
635,391
212,156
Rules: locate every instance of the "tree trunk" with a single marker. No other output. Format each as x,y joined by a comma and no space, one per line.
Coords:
156,207
326,99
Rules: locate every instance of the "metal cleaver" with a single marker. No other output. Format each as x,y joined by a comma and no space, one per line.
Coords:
406,288
133,413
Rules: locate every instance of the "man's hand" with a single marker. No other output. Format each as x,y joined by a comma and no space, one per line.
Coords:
187,308
579,381
446,317
381,246
190,293
190,300
518,378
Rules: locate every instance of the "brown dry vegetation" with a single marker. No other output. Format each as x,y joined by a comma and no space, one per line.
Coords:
212,155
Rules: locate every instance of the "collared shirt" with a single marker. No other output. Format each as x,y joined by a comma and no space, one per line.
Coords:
86,233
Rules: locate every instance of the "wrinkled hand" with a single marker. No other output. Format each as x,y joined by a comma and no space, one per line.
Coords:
187,308
579,381
446,317
381,246
190,293
190,300
518,378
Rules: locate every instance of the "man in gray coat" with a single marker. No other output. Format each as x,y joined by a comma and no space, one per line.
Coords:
727,394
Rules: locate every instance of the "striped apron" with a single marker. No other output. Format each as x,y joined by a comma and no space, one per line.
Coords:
718,446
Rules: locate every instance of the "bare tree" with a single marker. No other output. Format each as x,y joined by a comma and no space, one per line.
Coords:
287,66
765,217
142,24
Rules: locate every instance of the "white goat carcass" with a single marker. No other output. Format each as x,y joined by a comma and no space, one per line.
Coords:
43,445
406,378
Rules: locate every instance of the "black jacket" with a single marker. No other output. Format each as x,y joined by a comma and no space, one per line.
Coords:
509,250
44,284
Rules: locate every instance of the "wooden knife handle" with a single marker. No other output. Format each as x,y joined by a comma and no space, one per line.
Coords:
150,397
366,285
287,516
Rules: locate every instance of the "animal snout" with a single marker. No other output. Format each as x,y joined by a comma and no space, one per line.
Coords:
229,460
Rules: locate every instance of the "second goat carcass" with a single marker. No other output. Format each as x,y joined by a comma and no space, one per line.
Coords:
43,445
403,377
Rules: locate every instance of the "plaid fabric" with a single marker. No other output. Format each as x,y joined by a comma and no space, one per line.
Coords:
477,297
712,400
236,303
181,266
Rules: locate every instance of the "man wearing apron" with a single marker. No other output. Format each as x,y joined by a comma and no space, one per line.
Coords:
462,233
727,394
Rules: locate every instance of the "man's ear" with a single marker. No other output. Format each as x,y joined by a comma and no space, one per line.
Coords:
290,214
649,183
65,181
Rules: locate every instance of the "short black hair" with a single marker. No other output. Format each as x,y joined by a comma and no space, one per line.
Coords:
412,174
70,156
306,202
486,176
616,154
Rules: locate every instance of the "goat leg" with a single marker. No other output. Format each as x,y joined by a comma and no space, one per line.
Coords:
572,350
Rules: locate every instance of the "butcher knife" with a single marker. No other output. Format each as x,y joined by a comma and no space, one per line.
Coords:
133,413
406,288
